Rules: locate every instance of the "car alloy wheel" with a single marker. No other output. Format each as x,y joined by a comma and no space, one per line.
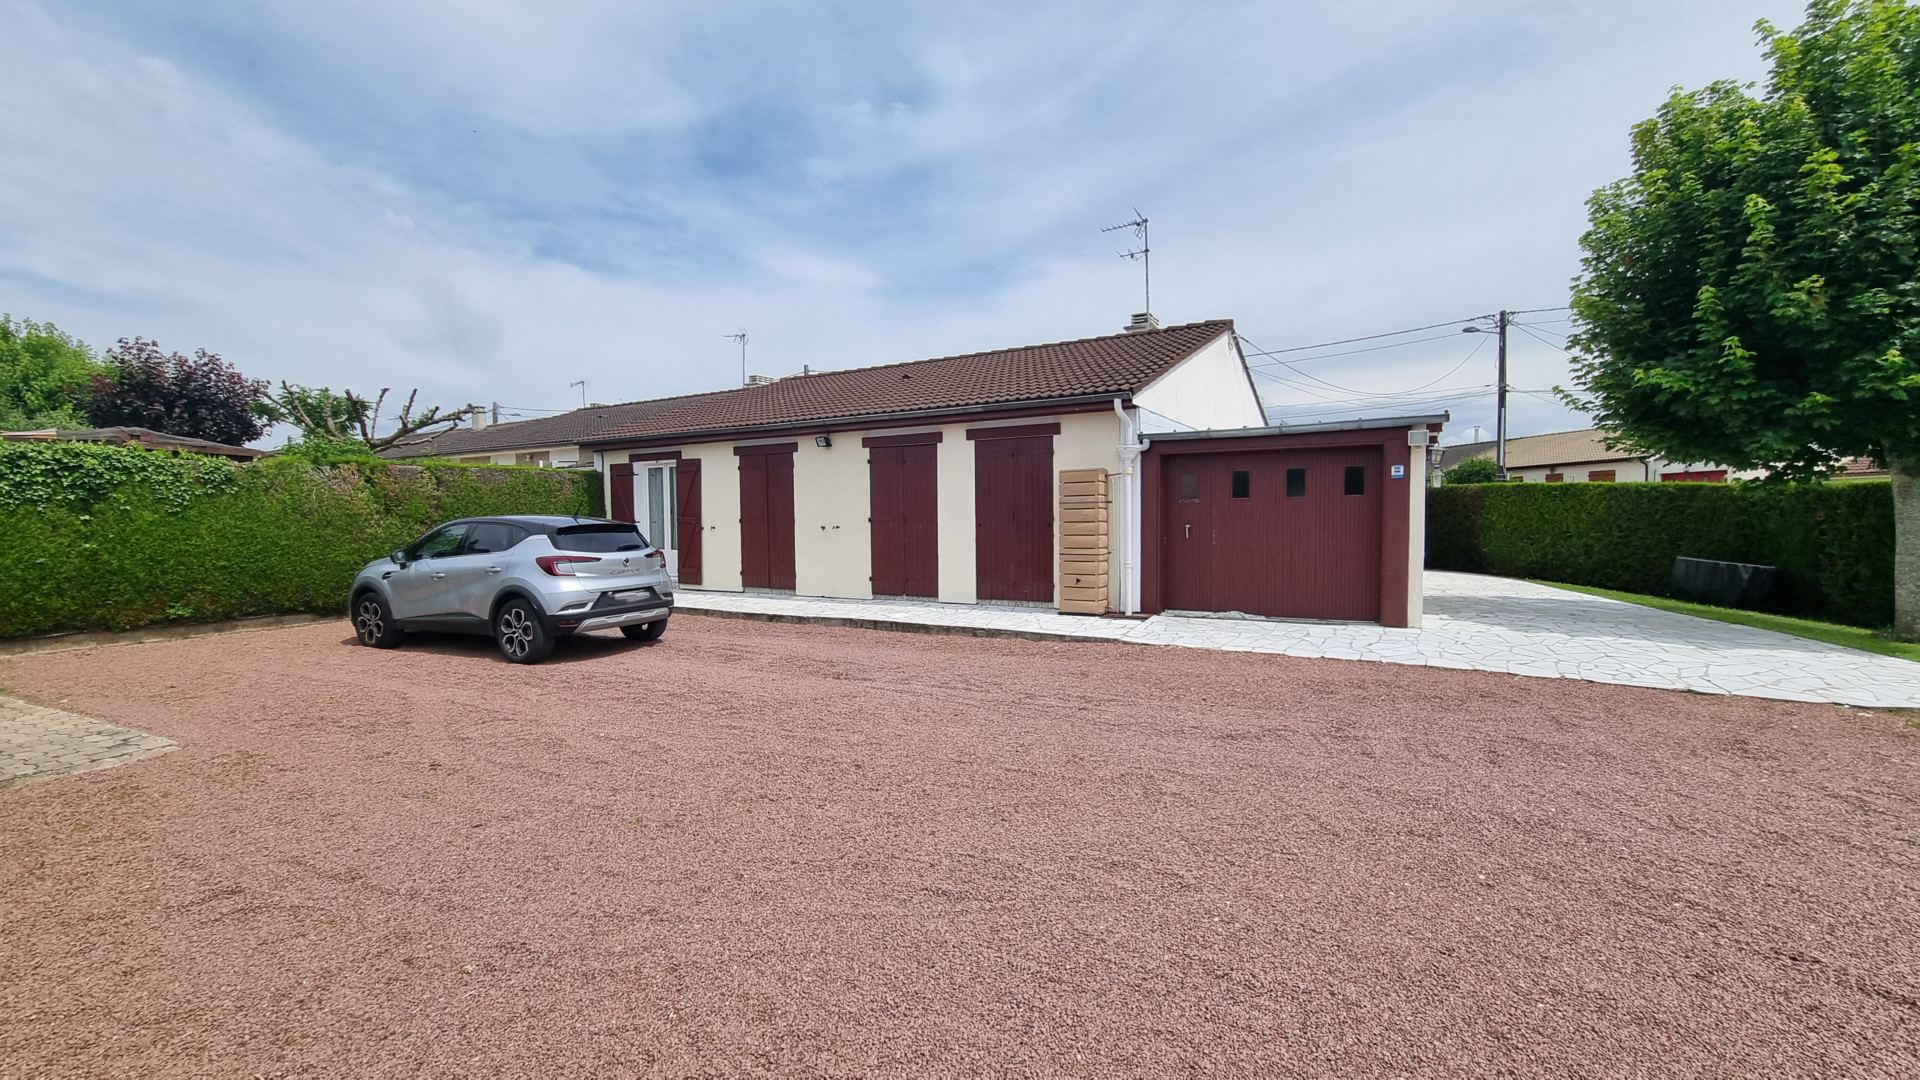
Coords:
370,621
516,632
373,624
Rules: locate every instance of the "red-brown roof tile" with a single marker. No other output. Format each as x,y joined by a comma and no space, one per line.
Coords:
1116,364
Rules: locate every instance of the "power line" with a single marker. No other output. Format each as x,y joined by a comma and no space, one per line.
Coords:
1350,390
1349,352
1522,327
1349,341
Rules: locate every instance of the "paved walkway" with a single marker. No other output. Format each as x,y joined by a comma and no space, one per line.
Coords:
1472,622
38,743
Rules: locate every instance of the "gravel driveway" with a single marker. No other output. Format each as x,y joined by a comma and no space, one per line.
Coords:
797,850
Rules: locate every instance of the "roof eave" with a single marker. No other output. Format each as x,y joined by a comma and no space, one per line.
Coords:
856,420
1301,429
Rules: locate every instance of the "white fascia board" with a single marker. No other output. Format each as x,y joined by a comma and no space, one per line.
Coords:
1209,390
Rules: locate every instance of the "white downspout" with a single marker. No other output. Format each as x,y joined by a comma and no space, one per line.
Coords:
1131,444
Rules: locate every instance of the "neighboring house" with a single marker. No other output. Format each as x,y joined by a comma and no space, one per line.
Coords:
145,438
1860,468
550,441
1024,476
1582,457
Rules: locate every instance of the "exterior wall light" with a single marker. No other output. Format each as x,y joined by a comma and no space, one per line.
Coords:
822,440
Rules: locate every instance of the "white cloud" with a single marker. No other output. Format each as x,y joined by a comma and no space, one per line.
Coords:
490,200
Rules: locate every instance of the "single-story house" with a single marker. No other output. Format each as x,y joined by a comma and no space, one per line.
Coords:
550,441
145,438
1583,457
1128,473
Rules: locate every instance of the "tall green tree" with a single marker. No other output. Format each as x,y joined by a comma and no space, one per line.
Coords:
46,376
1749,295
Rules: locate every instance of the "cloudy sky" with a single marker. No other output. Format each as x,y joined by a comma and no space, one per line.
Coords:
489,201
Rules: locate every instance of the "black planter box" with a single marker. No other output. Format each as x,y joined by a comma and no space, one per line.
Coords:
1722,584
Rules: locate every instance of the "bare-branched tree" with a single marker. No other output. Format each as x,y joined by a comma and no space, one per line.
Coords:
322,414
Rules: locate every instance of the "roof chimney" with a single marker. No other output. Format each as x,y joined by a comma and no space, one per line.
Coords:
1143,320
478,418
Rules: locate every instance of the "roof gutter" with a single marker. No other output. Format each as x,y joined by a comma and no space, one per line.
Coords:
1299,429
749,431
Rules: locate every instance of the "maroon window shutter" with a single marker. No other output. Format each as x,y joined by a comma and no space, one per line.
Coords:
780,541
689,518
620,505
887,502
753,521
920,532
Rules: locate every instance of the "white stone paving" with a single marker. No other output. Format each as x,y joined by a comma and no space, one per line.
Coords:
1472,622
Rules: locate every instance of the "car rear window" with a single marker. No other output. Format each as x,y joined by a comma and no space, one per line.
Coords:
599,538
488,537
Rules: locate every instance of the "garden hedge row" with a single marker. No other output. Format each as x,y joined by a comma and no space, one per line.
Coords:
113,538
1833,543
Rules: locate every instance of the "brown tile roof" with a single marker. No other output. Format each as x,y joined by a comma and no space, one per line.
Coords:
566,429
1859,468
1116,364
1532,451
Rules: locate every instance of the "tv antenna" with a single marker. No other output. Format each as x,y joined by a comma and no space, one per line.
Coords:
740,337
582,384
1144,253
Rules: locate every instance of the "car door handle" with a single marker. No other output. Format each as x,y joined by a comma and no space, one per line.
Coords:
493,569
436,575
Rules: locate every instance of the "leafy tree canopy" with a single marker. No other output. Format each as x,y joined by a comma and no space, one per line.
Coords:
202,397
1477,470
46,376
1749,294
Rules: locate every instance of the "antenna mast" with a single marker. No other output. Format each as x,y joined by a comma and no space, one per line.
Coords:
582,384
740,337
1144,252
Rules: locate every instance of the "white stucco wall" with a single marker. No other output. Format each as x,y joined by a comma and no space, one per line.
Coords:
833,539
954,464
832,536
1089,441
719,514
1416,532
1208,390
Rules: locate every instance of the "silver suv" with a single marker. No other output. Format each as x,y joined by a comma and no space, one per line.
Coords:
525,580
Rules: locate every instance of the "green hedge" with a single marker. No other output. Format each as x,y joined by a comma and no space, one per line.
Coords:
1833,543
194,539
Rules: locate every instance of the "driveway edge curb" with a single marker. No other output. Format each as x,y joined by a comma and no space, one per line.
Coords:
95,639
898,627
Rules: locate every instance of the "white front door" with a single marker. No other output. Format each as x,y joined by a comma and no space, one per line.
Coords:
655,506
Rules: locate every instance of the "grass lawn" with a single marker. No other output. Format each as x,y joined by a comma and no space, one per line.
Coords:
1853,637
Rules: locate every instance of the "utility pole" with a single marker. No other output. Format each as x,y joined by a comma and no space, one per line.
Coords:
1501,321
1500,450
740,337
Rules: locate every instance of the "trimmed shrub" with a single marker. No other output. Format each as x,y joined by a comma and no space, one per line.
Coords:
1833,543
114,538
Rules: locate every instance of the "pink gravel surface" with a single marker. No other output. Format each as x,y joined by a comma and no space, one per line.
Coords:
793,850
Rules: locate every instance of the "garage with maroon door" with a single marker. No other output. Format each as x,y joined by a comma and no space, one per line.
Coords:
1289,523
1013,512
766,515
905,514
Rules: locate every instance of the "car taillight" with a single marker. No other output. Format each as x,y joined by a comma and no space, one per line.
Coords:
656,553
562,565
